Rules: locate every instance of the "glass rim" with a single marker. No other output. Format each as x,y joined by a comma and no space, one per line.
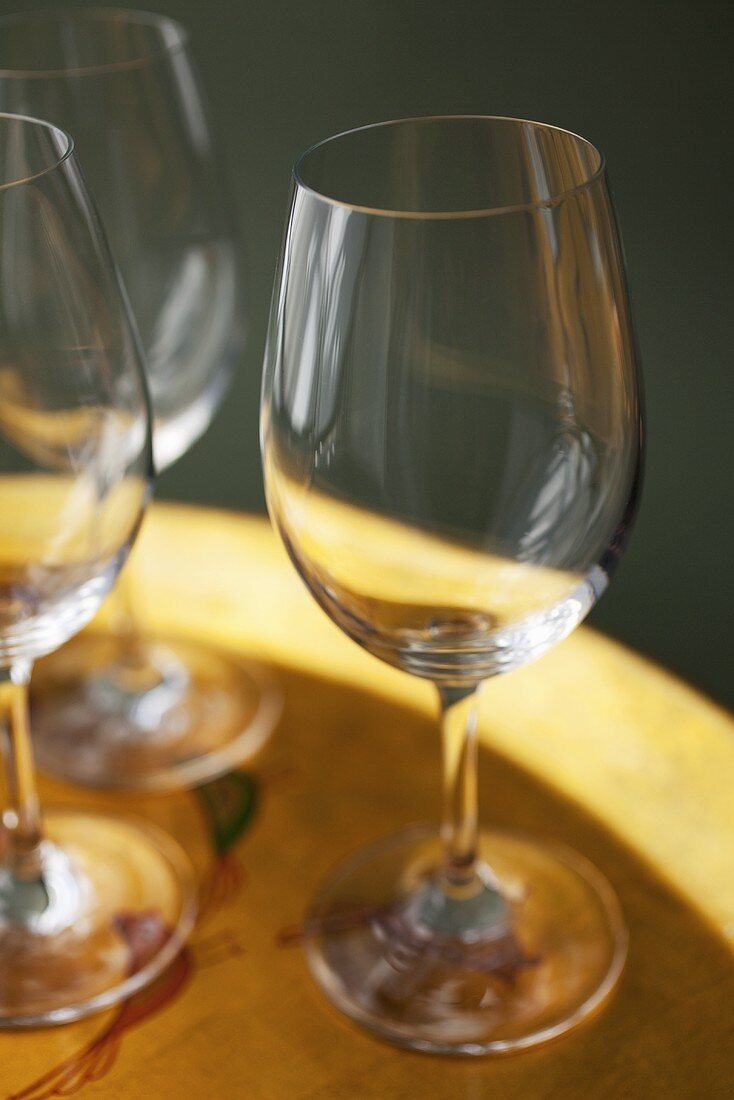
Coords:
61,159
438,215
93,15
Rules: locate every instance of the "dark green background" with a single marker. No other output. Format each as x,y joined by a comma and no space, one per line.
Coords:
648,82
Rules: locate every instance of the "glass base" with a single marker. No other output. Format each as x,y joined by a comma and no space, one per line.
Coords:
172,714
114,905
524,956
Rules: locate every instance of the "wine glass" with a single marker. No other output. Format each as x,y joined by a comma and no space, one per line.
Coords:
92,907
451,437
124,708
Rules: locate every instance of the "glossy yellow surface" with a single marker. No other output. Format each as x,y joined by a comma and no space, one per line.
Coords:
591,745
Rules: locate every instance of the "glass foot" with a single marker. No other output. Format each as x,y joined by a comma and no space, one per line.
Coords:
519,959
113,906
175,715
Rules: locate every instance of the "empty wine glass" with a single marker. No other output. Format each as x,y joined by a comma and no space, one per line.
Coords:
124,708
451,438
92,907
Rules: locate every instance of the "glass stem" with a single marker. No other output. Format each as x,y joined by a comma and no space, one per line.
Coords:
135,671
124,619
459,831
21,813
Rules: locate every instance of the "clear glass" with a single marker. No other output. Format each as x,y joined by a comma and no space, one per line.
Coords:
451,436
126,709
91,907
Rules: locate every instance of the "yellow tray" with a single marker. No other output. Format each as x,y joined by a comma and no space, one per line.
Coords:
592,745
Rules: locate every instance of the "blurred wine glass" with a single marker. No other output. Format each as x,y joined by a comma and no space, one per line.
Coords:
79,891
451,440
128,708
